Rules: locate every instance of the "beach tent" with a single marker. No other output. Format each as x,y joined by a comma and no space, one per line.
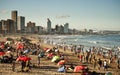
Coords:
78,68
2,53
23,58
55,58
61,62
62,69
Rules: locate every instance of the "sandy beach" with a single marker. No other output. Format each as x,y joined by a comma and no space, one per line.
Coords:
46,66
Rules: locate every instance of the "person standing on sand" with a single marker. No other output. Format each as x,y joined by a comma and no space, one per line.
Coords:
118,62
38,57
99,63
95,63
23,64
105,65
38,60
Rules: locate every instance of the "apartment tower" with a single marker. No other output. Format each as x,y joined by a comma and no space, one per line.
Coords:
14,15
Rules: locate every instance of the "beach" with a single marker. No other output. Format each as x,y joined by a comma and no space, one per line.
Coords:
47,67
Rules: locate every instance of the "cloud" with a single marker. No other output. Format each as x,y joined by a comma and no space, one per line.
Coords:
62,16
3,11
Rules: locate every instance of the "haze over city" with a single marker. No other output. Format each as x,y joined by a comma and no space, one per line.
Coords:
80,14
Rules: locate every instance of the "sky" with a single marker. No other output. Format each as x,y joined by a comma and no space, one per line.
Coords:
80,14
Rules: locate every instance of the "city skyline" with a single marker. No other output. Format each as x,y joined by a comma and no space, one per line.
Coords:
80,14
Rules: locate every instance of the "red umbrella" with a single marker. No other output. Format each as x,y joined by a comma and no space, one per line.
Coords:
2,46
78,68
2,53
50,55
61,62
23,58
20,46
46,49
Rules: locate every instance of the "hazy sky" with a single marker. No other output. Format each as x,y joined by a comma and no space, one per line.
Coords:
80,14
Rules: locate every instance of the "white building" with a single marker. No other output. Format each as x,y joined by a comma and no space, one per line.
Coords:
21,24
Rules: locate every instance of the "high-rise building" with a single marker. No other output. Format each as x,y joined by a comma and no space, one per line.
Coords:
31,27
21,24
14,15
66,28
39,29
3,23
9,26
48,26
61,28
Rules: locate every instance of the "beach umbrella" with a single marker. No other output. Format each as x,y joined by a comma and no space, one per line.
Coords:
46,49
17,43
23,58
61,62
20,46
78,68
55,58
2,53
50,55
2,46
61,69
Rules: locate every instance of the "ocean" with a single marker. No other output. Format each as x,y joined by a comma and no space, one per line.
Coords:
108,41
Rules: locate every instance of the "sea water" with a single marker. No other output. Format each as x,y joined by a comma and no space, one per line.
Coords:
86,40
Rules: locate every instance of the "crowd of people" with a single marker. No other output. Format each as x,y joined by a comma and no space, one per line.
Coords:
19,51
